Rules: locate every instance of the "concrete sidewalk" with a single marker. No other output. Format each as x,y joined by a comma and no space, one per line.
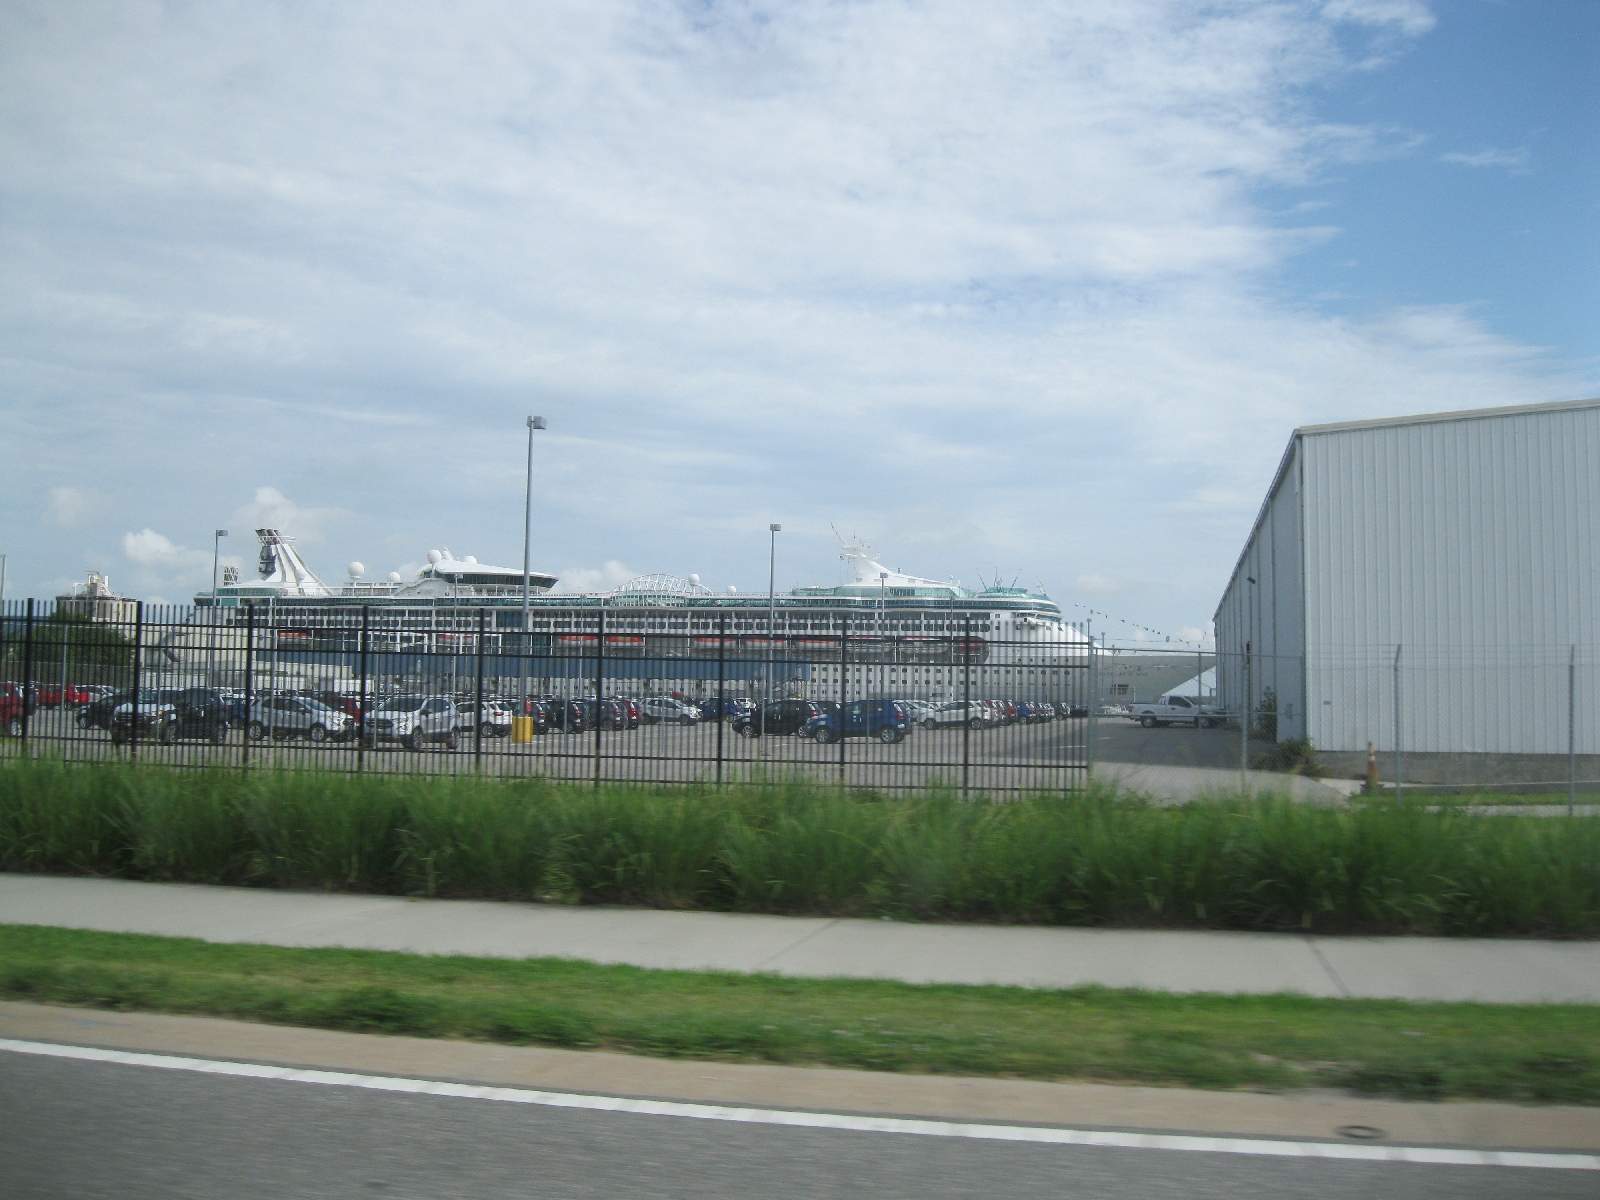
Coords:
1493,970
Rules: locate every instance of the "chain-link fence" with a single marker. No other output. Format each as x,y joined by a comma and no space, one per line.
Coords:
604,698
1520,723
604,695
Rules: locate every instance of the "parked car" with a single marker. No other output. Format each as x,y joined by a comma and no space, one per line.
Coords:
569,716
779,717
284,717
75,695
346,702
167,715
669,710
954,714
497,718
414,721
15,689
1177,710
97,713
11,712
539,712
884,720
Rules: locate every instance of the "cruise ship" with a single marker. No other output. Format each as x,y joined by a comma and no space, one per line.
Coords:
915,628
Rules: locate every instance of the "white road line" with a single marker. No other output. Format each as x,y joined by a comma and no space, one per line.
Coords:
1424,1155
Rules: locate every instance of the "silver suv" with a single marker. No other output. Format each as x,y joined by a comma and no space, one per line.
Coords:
298,716
414,721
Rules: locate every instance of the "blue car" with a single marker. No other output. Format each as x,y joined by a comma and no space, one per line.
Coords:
885,720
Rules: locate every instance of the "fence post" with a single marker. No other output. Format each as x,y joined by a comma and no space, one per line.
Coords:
722,680
477,724
250,682
1399,787
599,686
966,706
844,687
1244,723
1090,725
138,680
27,675
362,698
1572,730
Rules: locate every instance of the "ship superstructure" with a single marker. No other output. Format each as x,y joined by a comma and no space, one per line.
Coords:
918,628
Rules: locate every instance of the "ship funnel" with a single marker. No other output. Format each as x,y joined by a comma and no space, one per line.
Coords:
282,567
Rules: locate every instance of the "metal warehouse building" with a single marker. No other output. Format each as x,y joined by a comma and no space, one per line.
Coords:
1452,561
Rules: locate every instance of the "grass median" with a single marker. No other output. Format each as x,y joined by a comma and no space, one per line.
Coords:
1097,858
1424,1051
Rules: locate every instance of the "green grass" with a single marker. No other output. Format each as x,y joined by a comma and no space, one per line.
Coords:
1544,1053
1094,859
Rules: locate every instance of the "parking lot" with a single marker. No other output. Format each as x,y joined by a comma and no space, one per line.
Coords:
1006,758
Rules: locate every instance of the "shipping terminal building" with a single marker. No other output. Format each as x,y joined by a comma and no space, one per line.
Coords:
1431,583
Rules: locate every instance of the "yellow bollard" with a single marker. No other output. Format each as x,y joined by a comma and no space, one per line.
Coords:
522,729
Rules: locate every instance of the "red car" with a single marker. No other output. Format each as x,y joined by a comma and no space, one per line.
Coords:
11,709
77,695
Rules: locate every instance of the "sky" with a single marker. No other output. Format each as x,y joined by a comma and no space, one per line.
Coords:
1027,291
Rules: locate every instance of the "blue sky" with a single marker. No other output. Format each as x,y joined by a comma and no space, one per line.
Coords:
1020,288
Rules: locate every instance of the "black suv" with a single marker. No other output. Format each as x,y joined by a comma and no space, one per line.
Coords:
570,716
170,714
780,716
97,713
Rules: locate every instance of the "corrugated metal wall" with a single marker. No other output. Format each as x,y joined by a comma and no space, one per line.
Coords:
1268,616
1472,543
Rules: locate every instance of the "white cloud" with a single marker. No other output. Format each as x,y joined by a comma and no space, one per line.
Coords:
1515,161
271,509
1410,17
987,279
150,549
70,507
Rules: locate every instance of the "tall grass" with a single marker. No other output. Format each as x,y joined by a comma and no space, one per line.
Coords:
1093,859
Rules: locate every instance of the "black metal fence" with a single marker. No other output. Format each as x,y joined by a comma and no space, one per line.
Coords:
608,699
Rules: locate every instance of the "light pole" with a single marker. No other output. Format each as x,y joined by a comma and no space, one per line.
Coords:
772,612
527,538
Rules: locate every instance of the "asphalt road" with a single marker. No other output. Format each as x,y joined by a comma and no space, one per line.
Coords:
87,1129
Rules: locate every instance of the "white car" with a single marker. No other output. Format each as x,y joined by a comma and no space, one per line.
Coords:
668,711
414,721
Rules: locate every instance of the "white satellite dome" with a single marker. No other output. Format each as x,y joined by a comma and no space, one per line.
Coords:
435,557
356,570
694,580
732,590
394,576
470,559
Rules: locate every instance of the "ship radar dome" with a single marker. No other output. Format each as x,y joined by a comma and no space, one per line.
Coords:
732,591
394,576
695,580
470,559
356,570
435,557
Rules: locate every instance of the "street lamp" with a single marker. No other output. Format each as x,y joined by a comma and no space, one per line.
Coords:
527,537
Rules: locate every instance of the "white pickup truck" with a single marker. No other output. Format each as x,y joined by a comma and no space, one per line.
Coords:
1176,710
